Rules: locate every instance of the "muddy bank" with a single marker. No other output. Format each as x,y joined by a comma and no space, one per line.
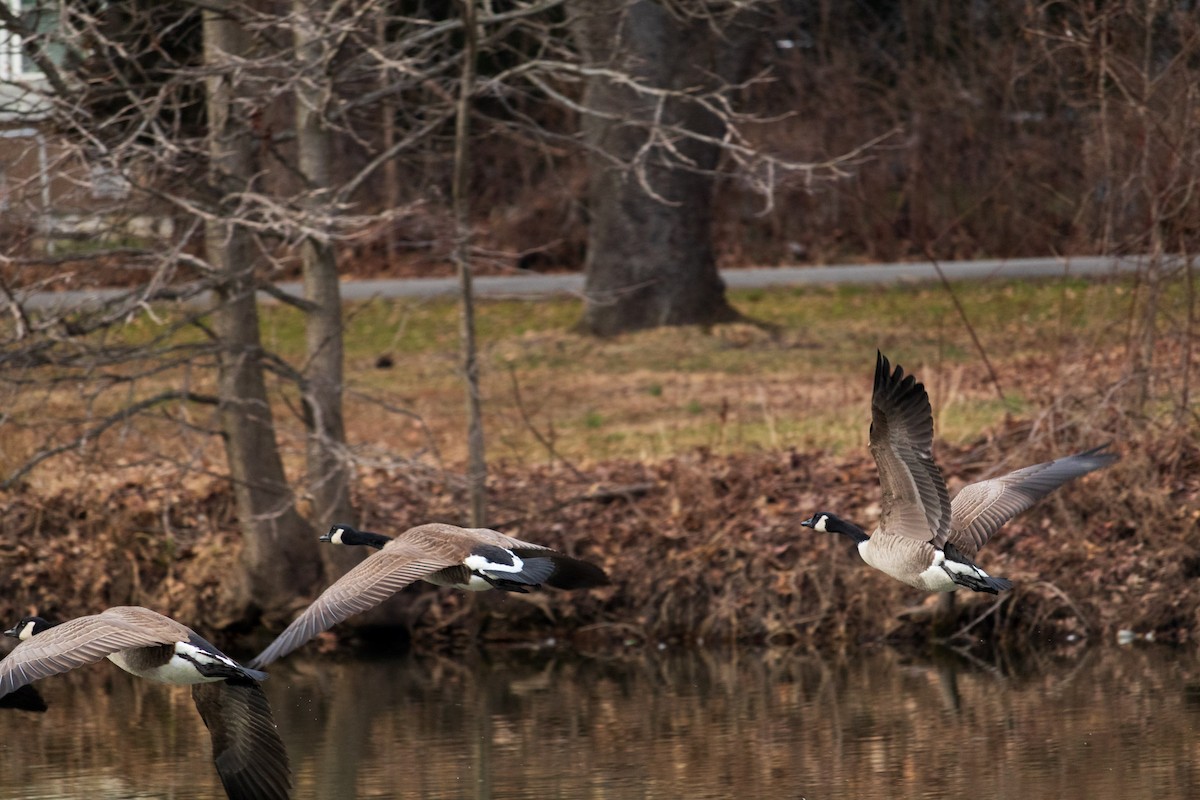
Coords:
701,548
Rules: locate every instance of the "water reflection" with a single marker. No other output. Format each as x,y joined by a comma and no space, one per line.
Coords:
747,724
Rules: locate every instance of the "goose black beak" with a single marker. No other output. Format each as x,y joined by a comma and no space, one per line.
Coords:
13,632
326,537
810,522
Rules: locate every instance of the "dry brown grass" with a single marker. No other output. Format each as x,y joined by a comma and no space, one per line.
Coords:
704,547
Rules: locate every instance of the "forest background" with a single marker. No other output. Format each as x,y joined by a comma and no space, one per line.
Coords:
180,445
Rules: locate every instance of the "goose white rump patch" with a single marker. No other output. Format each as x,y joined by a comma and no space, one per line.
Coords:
960,568
481,564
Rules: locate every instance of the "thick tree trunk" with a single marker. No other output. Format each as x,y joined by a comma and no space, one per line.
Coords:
327,472
650,259
279,559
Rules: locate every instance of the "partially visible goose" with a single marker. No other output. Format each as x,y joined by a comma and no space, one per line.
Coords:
923,539
474,559
247,750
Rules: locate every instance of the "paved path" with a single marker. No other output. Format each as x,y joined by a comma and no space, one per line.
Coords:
757,277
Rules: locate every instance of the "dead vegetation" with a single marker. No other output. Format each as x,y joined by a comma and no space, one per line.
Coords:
699,531
702,548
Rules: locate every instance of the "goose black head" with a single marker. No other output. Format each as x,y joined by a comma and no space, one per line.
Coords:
336,534
344,534
819,521
825,522
27,627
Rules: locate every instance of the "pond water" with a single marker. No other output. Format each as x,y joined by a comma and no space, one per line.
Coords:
739,724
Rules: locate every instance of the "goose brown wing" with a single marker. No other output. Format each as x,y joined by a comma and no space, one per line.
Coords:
915,501
247,751
81,641
979,509
149,621
451,541
372,581
497,538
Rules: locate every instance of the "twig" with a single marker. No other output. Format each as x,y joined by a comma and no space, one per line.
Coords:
106,423
962,313
1070,603
991,610
1188,339
542,440
626,492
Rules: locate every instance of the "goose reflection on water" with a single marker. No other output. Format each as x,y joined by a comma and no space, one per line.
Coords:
750,723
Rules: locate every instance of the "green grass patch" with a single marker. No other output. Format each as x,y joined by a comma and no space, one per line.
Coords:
801,381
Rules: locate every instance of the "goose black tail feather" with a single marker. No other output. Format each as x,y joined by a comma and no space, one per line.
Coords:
982,583
974,579
535,572
571,573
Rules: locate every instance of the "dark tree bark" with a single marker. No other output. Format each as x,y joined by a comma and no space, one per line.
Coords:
650,258
279,558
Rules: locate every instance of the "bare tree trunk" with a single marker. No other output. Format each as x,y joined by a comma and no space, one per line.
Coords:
476,463
650,258
391,168
279,557
327,472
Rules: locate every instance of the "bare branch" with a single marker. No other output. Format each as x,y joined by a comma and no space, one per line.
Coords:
96,430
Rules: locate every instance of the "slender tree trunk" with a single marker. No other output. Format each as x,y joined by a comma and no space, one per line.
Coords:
327,472
650,258
476,462
391,168
279,557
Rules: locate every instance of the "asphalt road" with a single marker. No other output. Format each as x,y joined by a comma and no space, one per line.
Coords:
757,277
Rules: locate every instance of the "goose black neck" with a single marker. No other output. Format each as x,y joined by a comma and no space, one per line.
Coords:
376,540
839,525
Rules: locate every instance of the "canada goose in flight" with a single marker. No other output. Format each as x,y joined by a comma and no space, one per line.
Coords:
474,559
248,753
923,539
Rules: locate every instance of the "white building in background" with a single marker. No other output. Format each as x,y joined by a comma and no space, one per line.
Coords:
21,80
51,192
